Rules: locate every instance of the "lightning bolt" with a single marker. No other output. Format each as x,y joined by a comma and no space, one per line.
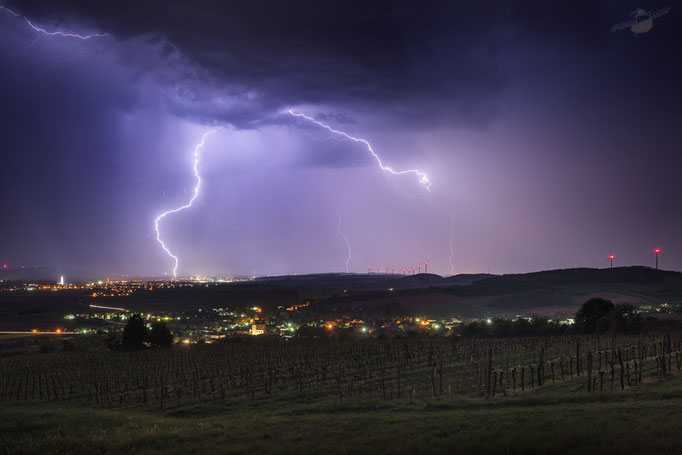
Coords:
10,11
28,46
64,34
195,194
340,232
423,179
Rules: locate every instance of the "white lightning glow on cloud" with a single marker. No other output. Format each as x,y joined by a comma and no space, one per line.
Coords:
195,194
423,179
62,33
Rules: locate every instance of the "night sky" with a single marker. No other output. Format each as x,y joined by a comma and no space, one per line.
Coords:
548,139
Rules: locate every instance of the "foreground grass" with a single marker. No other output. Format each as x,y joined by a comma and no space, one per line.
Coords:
556,418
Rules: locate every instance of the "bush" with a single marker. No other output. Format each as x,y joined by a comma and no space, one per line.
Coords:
588,316
135,333
160,335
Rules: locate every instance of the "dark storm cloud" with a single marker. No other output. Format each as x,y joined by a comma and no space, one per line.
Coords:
529,110
426,61
422,63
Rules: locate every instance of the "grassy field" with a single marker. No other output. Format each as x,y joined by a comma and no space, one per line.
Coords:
551,419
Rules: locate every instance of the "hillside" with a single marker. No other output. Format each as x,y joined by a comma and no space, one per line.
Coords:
547,293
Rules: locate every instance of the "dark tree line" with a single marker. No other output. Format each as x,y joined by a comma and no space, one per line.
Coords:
136,335
601,316
595,316
500,327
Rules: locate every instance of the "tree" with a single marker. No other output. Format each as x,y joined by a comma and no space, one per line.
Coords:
160,335
135,333
626,319
591,312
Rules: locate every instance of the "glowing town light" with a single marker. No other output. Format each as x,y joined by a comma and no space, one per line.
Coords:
64,34
195,194
423,179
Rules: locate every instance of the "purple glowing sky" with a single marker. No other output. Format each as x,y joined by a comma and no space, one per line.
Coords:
551,140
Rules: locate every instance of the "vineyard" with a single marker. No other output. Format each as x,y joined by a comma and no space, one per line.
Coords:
344,371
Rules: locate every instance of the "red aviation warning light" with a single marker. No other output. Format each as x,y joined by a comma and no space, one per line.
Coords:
4,266
657,251
611,258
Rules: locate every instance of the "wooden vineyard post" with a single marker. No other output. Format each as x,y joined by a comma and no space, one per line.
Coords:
440,377
489,372
513,375
561,367
612,372
601,381
622,372
577,357
589,371
571,367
